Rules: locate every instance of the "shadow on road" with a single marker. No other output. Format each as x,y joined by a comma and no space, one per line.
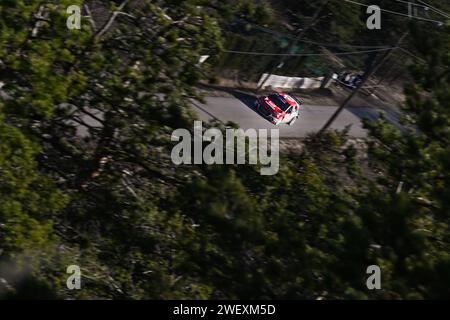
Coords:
246,97
207,112
368,113
373,114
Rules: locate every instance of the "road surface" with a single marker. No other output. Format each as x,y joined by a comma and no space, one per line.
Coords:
239,109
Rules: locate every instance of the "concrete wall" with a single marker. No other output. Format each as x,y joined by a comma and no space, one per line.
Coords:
275,81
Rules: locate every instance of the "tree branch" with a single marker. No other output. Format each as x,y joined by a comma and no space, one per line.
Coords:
111,20
90,17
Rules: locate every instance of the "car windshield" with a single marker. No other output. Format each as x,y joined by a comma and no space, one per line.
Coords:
279,101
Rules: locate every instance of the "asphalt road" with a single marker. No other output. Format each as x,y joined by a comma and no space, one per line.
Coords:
239,109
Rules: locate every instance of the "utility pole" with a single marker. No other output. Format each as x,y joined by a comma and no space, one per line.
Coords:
390,68
364,80
294,43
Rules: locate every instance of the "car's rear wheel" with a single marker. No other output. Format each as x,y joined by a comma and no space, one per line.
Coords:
293,121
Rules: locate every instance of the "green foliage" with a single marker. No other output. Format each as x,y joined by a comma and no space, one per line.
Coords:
26,197
418,161
86,176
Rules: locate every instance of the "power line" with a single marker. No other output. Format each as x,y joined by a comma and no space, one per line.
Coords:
397,13
436,9
322,44
423,61
366,77
413,55
308,54
412,3
336,45
426,7
298,37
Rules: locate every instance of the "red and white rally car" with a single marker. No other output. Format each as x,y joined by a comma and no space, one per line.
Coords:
279,108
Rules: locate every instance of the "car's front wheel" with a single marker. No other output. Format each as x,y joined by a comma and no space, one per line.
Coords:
293,121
